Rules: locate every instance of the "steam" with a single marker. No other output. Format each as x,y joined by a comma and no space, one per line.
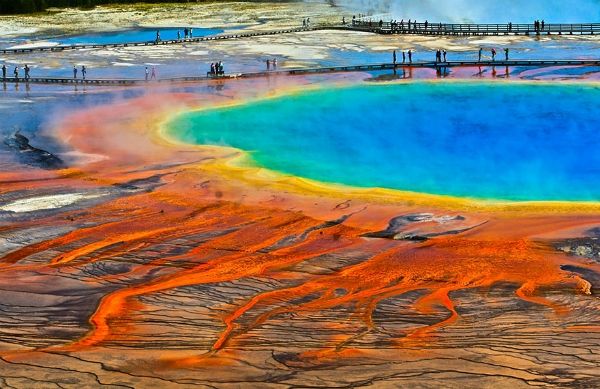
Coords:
482,11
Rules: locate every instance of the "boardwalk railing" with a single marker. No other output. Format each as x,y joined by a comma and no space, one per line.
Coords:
422,28
319,70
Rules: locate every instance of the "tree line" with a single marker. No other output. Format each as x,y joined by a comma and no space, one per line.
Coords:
8,7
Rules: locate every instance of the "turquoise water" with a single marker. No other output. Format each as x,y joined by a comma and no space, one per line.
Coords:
483,140
133,35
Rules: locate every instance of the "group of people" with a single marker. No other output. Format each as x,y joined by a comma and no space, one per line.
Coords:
410,25
150,73
83,72
216,69
539,25
188,33
26,69
441,55
272,64
405,54
494,53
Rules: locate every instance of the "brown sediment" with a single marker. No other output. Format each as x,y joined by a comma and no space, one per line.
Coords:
287,275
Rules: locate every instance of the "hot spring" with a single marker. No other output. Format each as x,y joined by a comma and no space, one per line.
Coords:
509,141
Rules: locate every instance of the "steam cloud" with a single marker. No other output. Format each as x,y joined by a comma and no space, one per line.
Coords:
483,11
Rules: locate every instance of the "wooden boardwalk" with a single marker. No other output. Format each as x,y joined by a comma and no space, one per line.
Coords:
373,27
453,29
307,71
209,38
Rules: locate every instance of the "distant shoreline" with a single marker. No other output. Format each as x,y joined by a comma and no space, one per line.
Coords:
19,7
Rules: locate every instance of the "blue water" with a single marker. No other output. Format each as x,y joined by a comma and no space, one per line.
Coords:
133,35
483,140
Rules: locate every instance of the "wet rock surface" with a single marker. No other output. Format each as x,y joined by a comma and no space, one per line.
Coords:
30,155
586,247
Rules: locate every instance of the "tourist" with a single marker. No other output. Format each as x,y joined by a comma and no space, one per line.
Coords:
153,73
506,54
493,54
147,73
16,73
26,72
268,64
83,71
480,52
444,53
394,57
74,72
4,72
409,56
157,36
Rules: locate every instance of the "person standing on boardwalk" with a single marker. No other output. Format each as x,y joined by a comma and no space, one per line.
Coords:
506,53
147,73
480,52
3,72
83,71
153,74
74,72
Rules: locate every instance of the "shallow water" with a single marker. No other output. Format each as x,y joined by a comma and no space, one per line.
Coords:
484,140
133,35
